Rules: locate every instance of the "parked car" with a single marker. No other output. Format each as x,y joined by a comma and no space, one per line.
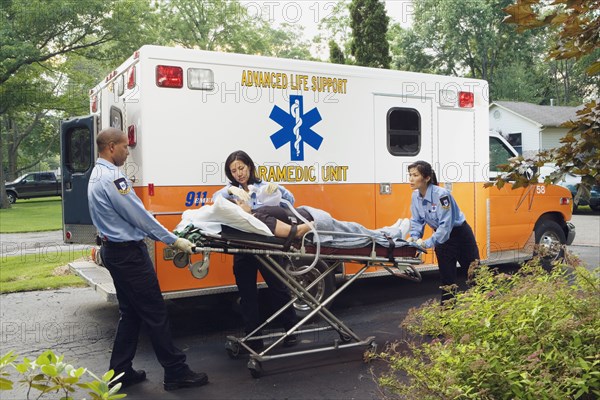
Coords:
33,184
593,201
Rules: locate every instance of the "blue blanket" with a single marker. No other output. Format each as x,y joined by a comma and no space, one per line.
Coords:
325,222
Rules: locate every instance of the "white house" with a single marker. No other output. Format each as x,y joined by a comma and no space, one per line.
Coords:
530,127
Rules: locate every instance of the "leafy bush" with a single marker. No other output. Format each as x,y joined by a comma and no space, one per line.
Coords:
49,374
531,335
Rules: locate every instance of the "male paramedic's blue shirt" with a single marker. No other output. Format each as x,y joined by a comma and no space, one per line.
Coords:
117,212
439,210
253,202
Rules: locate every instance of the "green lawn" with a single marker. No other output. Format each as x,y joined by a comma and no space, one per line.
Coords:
37,272
34,215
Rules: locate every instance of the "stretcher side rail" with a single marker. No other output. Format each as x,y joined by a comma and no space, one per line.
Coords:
243,243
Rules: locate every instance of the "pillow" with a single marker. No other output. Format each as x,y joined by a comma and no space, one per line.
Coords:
223,212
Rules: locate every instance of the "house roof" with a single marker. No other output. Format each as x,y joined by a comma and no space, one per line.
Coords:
547,116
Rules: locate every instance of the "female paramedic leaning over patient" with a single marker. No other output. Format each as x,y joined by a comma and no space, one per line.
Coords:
453,238
243,187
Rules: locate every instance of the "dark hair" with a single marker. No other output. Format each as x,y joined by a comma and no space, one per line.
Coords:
424,169
242,156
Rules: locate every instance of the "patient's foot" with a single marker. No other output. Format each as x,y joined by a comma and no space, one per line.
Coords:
303,229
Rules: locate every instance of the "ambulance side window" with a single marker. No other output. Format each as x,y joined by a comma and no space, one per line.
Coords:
499,154
403,131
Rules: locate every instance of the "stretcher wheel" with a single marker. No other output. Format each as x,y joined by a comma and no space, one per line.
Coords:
255,368
181,260
321,291
233,349
345,338
373,347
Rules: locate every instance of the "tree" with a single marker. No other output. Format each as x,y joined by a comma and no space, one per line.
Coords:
216,25
284,43
35,31
468,38
409,51
336,27
36,37
369,23
336,55
577,25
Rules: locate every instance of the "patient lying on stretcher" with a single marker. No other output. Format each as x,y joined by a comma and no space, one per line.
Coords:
278,220
274,221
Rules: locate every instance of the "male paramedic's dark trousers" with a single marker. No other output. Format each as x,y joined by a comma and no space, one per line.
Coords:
140,301
461,247
245,267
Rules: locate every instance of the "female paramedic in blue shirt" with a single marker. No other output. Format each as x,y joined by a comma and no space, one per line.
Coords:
453,239
241,172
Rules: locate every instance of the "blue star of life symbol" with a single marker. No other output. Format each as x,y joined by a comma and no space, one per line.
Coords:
296,128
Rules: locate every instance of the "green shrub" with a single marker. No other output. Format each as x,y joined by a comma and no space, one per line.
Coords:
49,374
530,335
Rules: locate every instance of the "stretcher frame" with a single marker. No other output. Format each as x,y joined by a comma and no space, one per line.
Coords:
267,252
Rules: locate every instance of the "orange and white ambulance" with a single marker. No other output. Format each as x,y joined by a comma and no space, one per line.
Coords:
339,137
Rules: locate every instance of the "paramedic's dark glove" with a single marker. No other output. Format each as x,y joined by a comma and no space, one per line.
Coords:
239,193
184,245
272,188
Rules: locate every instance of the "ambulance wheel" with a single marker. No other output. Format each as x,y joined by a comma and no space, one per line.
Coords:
550,240
233,349
255,368
320,291
345,338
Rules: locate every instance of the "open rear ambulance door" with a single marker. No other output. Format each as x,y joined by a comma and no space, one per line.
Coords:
78,156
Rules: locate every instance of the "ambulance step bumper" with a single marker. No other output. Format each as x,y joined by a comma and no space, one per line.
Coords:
97,277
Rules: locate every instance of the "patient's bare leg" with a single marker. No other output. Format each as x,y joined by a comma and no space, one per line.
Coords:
303,229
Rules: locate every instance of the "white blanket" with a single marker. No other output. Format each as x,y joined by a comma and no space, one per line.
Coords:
209,218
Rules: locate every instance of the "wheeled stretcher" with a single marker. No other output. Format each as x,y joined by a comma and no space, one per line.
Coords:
283,258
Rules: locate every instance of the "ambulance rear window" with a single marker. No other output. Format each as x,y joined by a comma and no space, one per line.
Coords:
77,156
403,131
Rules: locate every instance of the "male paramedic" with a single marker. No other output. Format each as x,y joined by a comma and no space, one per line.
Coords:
123,223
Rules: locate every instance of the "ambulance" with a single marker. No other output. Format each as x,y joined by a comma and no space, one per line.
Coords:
338,137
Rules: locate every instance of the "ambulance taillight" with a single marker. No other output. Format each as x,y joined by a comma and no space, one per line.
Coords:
466,99
131,78
131,136
169,76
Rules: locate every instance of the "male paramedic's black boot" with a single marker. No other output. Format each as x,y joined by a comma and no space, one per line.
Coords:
129,378
186,379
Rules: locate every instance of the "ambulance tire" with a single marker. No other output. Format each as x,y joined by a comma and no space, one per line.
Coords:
320,292
550,240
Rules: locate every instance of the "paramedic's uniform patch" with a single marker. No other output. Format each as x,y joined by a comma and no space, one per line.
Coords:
122,186
445,202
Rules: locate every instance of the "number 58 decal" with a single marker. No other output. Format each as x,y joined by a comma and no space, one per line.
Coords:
540,189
